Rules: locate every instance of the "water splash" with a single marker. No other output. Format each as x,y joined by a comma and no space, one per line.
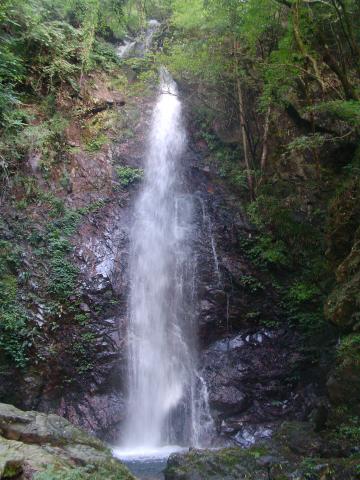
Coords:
208,226
167,399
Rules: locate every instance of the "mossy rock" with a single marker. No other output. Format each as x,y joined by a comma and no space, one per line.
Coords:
343,221
40,428
33,442
295,453
344,381
342,307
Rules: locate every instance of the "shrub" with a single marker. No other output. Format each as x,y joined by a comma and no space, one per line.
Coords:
349,350
63,276
128,175
95,144
14,335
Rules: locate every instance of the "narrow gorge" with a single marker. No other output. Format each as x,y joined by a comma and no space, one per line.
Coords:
179,240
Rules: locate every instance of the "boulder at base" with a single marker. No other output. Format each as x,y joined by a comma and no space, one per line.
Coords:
295,452
43,446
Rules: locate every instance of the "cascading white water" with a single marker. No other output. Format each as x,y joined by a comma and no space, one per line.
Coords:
141,45
167,398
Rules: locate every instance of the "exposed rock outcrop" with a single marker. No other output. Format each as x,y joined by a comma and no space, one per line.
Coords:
33,442
296,452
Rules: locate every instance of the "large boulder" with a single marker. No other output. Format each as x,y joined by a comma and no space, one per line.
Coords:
33,442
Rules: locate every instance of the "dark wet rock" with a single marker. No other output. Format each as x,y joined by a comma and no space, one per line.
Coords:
342,305
228,399
343,385
248,435
247,375
295,452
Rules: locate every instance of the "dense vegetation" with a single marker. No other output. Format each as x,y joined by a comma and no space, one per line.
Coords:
47,50
276,88
273,90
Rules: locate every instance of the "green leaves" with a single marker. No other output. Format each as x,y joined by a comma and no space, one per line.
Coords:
14,336
63,276
128,175
42,43
346,110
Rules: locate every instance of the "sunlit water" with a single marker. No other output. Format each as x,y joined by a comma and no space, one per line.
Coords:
167,400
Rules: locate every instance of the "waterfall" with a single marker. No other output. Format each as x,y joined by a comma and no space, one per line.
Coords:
141,45
208,226
167,398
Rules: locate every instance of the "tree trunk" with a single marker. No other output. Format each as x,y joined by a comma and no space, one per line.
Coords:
264,152
242,125
302,47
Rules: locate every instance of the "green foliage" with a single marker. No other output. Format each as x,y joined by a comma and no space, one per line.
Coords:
104,56
349,350
289,242
251,283
14,335
269,251
189,15
56,278
24,135
45,137
97,143
81,352
63,276
43,42
226,160
129,175
301,292
52,202
306,142
350,430
82,318
347,111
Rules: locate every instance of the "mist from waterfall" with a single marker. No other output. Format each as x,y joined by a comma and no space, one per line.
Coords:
167,399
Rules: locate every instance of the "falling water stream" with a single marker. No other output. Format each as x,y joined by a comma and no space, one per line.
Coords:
167,400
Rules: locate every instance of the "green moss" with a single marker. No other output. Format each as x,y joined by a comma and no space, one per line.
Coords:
112,471
12,469
251,283
14,335
349,350
97,143
63,277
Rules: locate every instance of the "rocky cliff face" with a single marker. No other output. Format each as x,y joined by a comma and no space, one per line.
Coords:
76,364
249,360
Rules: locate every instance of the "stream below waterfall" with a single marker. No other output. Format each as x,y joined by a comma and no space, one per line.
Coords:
147,464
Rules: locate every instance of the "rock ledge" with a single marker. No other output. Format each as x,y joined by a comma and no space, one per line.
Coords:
33,444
